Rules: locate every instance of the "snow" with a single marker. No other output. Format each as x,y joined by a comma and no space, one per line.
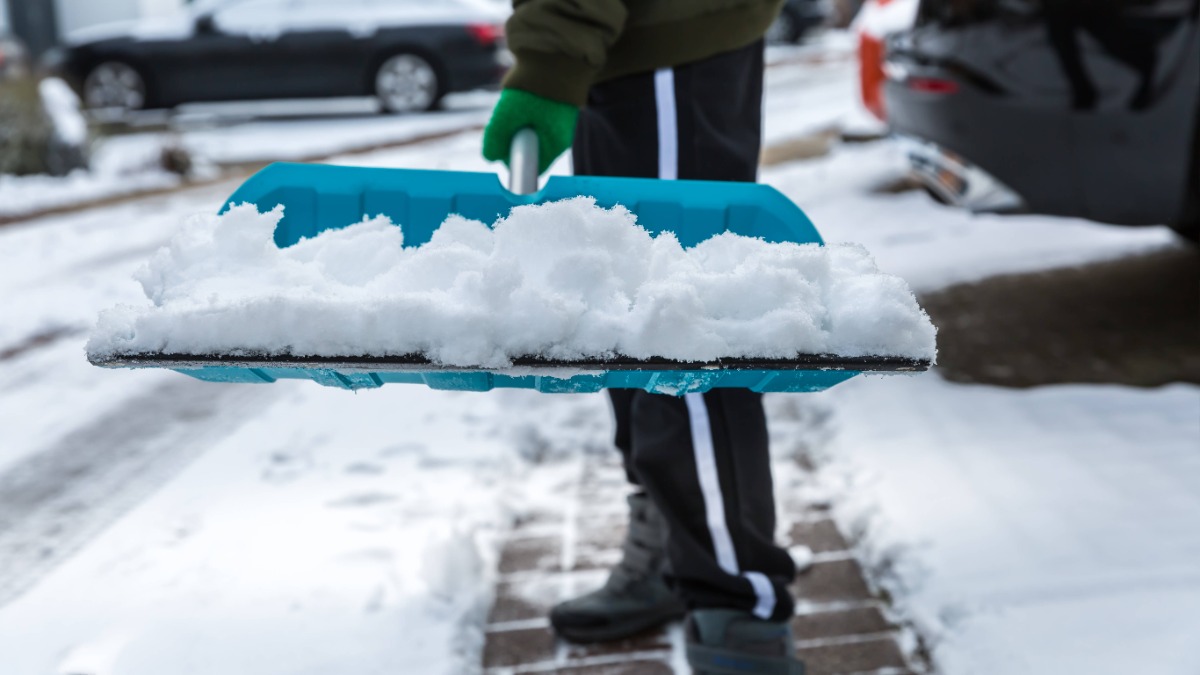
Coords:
295,554
175,27
21,195
1048,530
233,134
565,280
264,140
880,19
63,107
930,245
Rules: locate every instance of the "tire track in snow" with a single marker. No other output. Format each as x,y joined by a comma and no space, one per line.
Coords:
39,340
55,501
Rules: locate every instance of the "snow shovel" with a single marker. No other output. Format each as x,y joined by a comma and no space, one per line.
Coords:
316,197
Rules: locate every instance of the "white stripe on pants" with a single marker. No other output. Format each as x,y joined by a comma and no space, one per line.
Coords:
714,505
702,436
668,128
710,483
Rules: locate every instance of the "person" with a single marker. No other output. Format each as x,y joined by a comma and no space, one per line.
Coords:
670,89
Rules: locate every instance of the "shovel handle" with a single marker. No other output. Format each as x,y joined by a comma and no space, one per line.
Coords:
523,162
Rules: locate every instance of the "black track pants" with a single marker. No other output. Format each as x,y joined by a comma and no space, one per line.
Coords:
703,459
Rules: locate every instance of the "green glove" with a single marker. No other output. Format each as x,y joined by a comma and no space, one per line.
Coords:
553,121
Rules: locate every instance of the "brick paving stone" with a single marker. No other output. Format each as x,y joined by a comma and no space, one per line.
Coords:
515,647
833,581
521,600
822,536
649,641
858,621
605,494
638,667
806,510
593,559
536,554
856,657
834,641
536,525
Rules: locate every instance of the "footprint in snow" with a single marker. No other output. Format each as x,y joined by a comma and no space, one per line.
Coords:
365,469
362,500
401,450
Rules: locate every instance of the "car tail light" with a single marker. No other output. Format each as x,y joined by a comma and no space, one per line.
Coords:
871,76
486,34
932,85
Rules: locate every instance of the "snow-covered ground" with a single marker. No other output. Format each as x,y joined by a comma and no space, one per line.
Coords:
150,523
267,131
221,134
1042,531
236,133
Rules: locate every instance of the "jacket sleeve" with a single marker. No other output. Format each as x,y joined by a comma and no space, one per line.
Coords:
561,45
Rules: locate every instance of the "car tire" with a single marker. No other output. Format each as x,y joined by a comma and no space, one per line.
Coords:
114,85
406,83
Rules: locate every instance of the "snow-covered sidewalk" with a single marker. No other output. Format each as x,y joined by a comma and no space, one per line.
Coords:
565,544
1041,531
288,545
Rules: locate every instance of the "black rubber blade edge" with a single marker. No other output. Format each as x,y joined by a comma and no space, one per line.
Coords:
417,362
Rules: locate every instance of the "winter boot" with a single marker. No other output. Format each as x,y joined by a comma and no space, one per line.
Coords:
729,642
635,598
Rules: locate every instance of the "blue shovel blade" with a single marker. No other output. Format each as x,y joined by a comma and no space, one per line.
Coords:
318,197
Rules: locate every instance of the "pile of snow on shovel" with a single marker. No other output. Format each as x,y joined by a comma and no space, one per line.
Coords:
563,280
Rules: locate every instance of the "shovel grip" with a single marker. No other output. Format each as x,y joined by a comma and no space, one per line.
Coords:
523,162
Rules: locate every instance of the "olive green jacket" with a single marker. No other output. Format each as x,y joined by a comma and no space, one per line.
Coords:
562,47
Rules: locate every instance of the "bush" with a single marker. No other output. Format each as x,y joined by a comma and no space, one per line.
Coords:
25,131
29,142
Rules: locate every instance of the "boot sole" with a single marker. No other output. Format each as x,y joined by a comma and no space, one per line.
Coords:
621,631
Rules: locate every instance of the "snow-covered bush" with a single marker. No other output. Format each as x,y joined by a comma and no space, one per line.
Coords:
41,129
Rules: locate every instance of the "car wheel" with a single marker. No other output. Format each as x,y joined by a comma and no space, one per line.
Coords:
114,85
785,29
407,83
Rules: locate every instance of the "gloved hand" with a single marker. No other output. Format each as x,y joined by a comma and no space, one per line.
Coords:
553,121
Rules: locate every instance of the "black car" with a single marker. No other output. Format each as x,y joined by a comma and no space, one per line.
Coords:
796,18
1086,108
407,53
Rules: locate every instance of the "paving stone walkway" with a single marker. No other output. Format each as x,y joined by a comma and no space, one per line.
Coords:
840,626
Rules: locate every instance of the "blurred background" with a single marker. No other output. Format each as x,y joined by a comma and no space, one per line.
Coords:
1030,167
